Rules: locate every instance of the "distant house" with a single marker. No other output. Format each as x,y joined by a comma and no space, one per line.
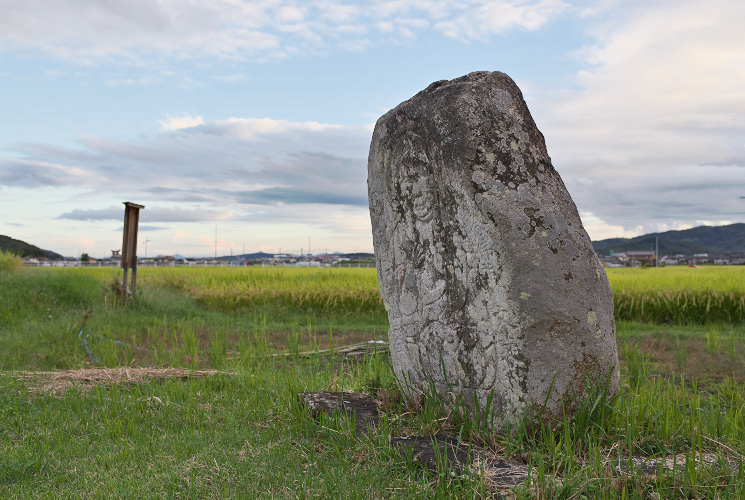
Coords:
305,263
328,260
701,258
639,258
614,260
737,259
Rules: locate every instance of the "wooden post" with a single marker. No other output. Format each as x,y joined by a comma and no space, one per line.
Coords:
129,244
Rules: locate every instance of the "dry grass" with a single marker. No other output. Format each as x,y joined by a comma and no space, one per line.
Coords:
57,382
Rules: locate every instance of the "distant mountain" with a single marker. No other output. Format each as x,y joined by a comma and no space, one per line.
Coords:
703,239
25,250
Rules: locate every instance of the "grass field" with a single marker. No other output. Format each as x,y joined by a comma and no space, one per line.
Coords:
242,434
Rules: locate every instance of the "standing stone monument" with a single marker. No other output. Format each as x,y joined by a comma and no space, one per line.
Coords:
491,284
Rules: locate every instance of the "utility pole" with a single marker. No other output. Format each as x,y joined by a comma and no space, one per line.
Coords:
215,241
146,242
656,251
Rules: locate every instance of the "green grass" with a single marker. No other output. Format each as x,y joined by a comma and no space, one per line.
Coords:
245,436
44,311
228,436
242,434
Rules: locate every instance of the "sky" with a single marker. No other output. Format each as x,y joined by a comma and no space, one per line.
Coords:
244,126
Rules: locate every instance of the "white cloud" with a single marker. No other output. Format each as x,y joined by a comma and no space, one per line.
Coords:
290,14
255,128
655,133
479,20
90,30
82,243
257,170
179,122
31,173
150,214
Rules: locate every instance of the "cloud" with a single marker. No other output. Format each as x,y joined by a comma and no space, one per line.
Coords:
179,122
485,19
91,31
280,195
142,228
27,173
153,214
236,169
112,213
253,128
82,243
654,133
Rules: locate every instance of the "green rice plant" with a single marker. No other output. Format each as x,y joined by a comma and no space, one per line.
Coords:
294,338
636,363
711,279
218,349
681,353
732,346
190,346
351,290
679,307
679,295
713,341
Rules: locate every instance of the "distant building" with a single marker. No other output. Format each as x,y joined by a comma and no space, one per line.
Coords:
639,258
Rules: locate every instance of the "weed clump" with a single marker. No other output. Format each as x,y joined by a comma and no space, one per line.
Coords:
9,262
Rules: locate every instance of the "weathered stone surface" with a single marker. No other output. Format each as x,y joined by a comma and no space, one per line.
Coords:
489,278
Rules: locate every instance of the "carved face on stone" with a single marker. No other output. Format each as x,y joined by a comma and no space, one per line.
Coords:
422,200
417,206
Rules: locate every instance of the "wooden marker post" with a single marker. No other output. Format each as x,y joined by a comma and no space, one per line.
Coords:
129,244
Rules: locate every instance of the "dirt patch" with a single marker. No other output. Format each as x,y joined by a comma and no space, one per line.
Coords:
707,362
58,381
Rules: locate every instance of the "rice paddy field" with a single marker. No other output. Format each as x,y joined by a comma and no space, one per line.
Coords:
189,390
679,295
